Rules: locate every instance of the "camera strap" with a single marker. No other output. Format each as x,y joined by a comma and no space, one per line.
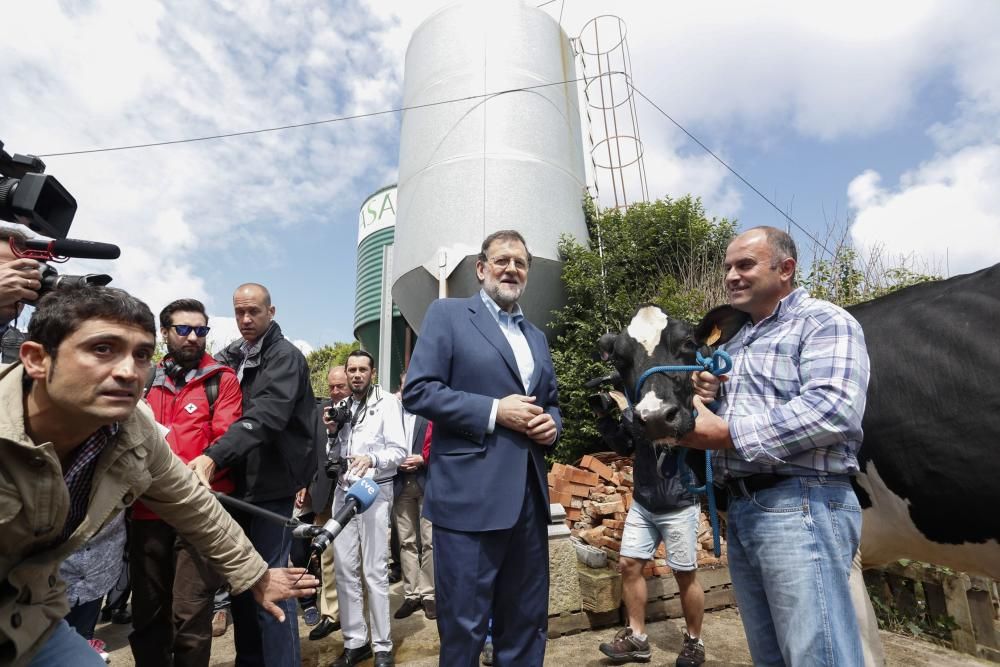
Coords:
359,414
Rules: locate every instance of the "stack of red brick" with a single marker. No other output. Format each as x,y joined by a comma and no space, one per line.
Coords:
597,495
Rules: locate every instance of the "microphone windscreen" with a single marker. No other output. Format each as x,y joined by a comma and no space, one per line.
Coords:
364,491
84,249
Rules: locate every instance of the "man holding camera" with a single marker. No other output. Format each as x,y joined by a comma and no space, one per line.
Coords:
19,281
271,450
663,510
321,496
75,450
370,442
173,589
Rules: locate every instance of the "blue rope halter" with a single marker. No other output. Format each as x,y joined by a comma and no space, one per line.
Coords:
718,364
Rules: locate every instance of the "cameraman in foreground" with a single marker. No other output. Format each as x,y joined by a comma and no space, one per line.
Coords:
19,281
75,451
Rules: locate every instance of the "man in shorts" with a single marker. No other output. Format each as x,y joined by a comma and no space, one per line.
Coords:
662,511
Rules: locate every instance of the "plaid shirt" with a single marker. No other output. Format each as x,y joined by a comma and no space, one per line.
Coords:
80,473
796,394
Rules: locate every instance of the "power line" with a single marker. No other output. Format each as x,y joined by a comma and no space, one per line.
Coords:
731,170
310,123
384,112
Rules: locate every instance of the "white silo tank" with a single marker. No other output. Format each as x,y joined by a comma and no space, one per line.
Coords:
509,161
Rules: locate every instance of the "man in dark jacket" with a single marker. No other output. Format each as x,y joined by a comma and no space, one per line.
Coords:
662,511
271,451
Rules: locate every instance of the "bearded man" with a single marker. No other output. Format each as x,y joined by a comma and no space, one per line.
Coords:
482,374
195,398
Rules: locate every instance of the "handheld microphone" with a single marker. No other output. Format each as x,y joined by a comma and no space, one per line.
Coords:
73,248
359,497
306,531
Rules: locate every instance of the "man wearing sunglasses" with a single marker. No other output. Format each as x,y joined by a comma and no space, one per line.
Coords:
195,398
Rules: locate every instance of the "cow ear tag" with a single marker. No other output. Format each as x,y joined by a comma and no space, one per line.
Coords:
714,336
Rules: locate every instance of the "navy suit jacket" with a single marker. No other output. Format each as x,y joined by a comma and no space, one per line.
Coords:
462,361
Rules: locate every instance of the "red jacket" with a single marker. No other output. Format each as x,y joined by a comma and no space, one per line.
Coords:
186,414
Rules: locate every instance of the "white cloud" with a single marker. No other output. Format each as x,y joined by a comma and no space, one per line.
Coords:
946,213
304,346
84,75
224,330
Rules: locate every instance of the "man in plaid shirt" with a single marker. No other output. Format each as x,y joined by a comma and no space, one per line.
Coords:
787,436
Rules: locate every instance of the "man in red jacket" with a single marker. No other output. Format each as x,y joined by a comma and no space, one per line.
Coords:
195,399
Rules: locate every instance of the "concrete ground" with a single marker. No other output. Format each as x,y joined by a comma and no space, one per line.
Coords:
416,643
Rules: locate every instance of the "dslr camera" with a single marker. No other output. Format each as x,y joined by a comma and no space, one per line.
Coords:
333,467
41,211
339,414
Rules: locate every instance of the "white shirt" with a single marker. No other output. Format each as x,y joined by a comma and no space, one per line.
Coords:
510,327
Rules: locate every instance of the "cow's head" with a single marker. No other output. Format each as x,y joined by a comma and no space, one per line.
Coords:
664,405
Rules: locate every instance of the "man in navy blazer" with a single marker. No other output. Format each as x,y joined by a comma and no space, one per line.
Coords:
483,375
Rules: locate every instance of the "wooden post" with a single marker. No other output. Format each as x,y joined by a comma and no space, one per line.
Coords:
981,610
957,603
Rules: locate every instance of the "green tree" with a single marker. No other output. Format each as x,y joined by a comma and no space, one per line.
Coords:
849,278
665,252
322,359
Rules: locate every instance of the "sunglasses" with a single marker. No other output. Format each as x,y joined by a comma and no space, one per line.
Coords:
186,329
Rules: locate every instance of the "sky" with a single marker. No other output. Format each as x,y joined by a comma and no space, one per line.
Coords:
875,120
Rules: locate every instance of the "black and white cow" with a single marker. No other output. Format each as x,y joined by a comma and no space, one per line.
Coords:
930,462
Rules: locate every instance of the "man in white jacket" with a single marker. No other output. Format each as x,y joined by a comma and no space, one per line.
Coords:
372,444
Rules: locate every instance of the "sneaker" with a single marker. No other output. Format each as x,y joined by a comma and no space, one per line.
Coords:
626,648
430,609
487,656
220,622
311,616
692,653
98,645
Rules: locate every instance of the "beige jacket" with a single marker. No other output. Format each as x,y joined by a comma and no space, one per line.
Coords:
34,502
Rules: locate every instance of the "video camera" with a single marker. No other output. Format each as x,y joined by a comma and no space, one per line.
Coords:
41,211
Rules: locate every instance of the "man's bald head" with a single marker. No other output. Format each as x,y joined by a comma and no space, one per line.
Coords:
336,380
254,312
256,290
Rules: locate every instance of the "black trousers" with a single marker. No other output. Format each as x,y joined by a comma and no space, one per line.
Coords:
173,595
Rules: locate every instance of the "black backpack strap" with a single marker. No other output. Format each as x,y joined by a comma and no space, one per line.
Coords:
149,383
212,390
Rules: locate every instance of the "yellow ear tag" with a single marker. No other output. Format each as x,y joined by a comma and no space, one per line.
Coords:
714,336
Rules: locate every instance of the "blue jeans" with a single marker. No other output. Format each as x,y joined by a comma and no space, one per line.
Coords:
65,648
790,553
260,639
